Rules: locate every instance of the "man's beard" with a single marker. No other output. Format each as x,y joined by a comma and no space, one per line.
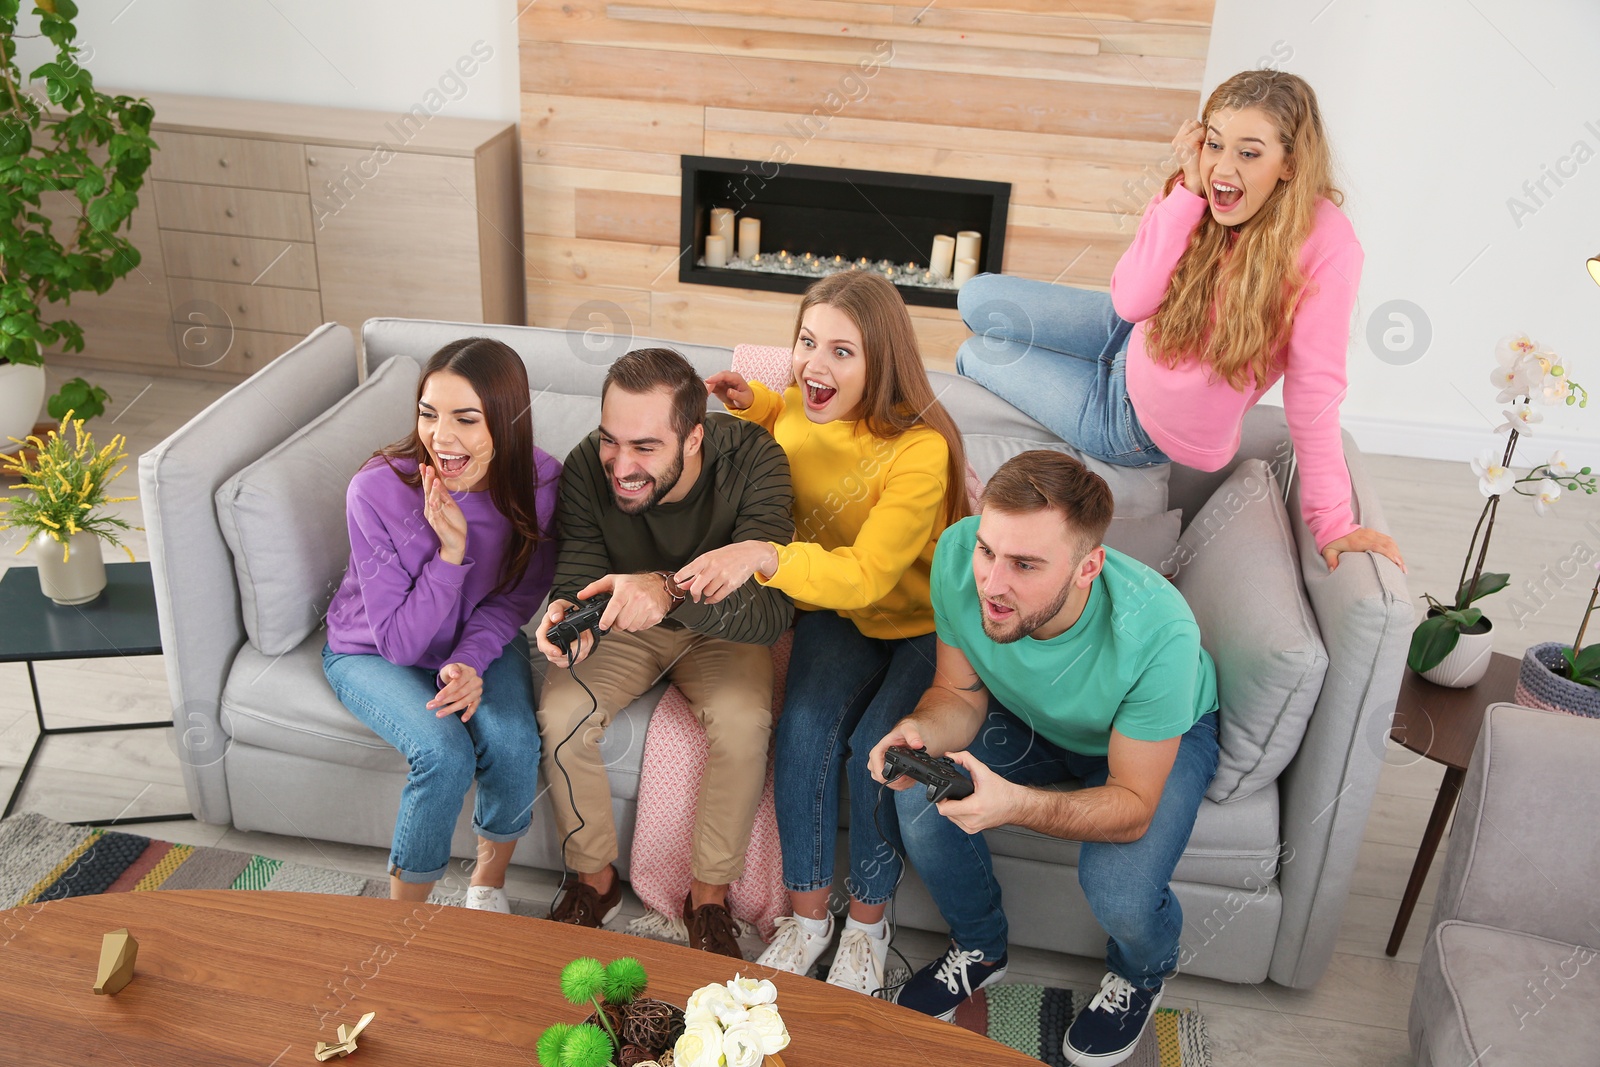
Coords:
1023,625
662,486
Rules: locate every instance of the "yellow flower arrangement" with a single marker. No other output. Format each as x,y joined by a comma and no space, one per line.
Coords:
67,481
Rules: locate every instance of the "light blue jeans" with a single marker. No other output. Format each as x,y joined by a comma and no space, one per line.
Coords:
499,746
845,690
1127,885
1060,356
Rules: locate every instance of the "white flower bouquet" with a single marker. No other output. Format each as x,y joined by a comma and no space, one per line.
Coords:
731,1025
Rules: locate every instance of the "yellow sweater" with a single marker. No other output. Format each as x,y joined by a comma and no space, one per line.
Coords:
868,512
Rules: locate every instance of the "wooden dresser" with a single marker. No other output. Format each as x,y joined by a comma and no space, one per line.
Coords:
259,221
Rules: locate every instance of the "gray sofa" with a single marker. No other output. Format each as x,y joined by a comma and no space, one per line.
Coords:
244,508
1507,972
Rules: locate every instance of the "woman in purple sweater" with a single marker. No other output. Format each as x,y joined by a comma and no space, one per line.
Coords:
451,551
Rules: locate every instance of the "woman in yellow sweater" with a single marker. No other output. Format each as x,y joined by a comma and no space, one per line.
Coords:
878,472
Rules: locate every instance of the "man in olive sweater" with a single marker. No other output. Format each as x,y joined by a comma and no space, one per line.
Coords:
659,483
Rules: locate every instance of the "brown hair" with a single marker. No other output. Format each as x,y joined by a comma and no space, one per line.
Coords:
898,395
646,369
497,374
1232,298
1033,481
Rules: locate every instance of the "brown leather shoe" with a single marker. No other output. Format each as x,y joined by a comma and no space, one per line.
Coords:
711,928
580,905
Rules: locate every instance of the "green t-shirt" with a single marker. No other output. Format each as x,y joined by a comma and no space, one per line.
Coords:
1132,661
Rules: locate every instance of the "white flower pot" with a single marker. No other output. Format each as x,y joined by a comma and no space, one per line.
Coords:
78,579
1467,663
21,396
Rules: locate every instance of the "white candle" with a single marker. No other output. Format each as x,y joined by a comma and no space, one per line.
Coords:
967,244
749,238
944,251
965,269
722,224
716,250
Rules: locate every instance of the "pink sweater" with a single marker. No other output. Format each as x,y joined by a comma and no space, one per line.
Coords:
1195,418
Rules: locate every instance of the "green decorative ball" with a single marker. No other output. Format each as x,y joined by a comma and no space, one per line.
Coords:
624,979
550,1043
586,1046
581,980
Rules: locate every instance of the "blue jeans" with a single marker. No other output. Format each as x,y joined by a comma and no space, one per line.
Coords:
1060,356
1127,885
499,746
844,692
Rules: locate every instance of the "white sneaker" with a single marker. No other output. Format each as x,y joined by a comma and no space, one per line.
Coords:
793,949
858,964
488,898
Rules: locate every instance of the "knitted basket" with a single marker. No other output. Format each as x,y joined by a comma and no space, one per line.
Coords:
1539,686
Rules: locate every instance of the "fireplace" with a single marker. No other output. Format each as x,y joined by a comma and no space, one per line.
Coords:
814,221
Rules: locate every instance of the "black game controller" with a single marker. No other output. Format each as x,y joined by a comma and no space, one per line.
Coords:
942,775
567,633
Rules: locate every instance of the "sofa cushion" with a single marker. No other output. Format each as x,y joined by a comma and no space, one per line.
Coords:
283,516
1150,539
1238,569
1488,996
285,704
994,431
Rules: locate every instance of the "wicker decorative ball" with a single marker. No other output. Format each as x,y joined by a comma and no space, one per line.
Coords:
651,1024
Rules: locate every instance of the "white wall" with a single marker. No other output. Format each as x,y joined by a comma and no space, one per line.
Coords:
379,54
1439,113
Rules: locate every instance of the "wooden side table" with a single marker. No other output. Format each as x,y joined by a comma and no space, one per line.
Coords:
1442,725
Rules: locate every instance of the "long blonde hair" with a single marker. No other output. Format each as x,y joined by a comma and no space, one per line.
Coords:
1232,298
898,395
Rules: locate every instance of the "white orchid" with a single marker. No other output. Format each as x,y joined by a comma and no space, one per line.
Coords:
1521,418
1559,467
1509,381
1493,477
1512,349
1549,493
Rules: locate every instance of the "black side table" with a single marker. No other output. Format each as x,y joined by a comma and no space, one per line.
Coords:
120,622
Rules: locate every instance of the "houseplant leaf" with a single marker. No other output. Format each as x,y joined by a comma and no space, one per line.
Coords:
1488,582
1431,642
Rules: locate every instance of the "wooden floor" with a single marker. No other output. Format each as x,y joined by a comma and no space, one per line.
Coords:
1356,1015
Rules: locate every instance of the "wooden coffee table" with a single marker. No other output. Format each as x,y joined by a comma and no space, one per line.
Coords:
1442,725
232,977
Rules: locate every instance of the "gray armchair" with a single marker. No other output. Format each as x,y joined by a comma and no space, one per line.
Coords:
1510,973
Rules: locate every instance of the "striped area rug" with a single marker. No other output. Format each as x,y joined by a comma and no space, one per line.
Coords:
1033,1019
43,860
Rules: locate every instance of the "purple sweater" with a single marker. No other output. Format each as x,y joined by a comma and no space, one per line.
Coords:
399,600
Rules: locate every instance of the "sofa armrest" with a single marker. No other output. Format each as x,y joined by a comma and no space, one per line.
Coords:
1364,612
1521,854
197,597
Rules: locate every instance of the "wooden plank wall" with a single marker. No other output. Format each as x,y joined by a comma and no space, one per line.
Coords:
1074,104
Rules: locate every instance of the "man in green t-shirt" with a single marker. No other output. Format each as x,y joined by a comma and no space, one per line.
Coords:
1058,659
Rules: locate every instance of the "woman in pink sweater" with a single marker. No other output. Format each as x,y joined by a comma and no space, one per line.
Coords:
1243,272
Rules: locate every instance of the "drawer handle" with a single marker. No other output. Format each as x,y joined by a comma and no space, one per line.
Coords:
228,212
235,261
223,162
242,309
311,161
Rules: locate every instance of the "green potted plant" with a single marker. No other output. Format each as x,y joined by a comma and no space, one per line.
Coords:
1453,644
1559,677
80,149
66,486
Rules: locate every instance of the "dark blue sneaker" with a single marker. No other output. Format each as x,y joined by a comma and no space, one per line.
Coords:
1108,1030
940,987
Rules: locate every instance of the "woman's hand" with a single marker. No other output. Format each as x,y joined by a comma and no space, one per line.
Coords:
730,387
1362,539
444,515
1186,148
463,689
709,578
